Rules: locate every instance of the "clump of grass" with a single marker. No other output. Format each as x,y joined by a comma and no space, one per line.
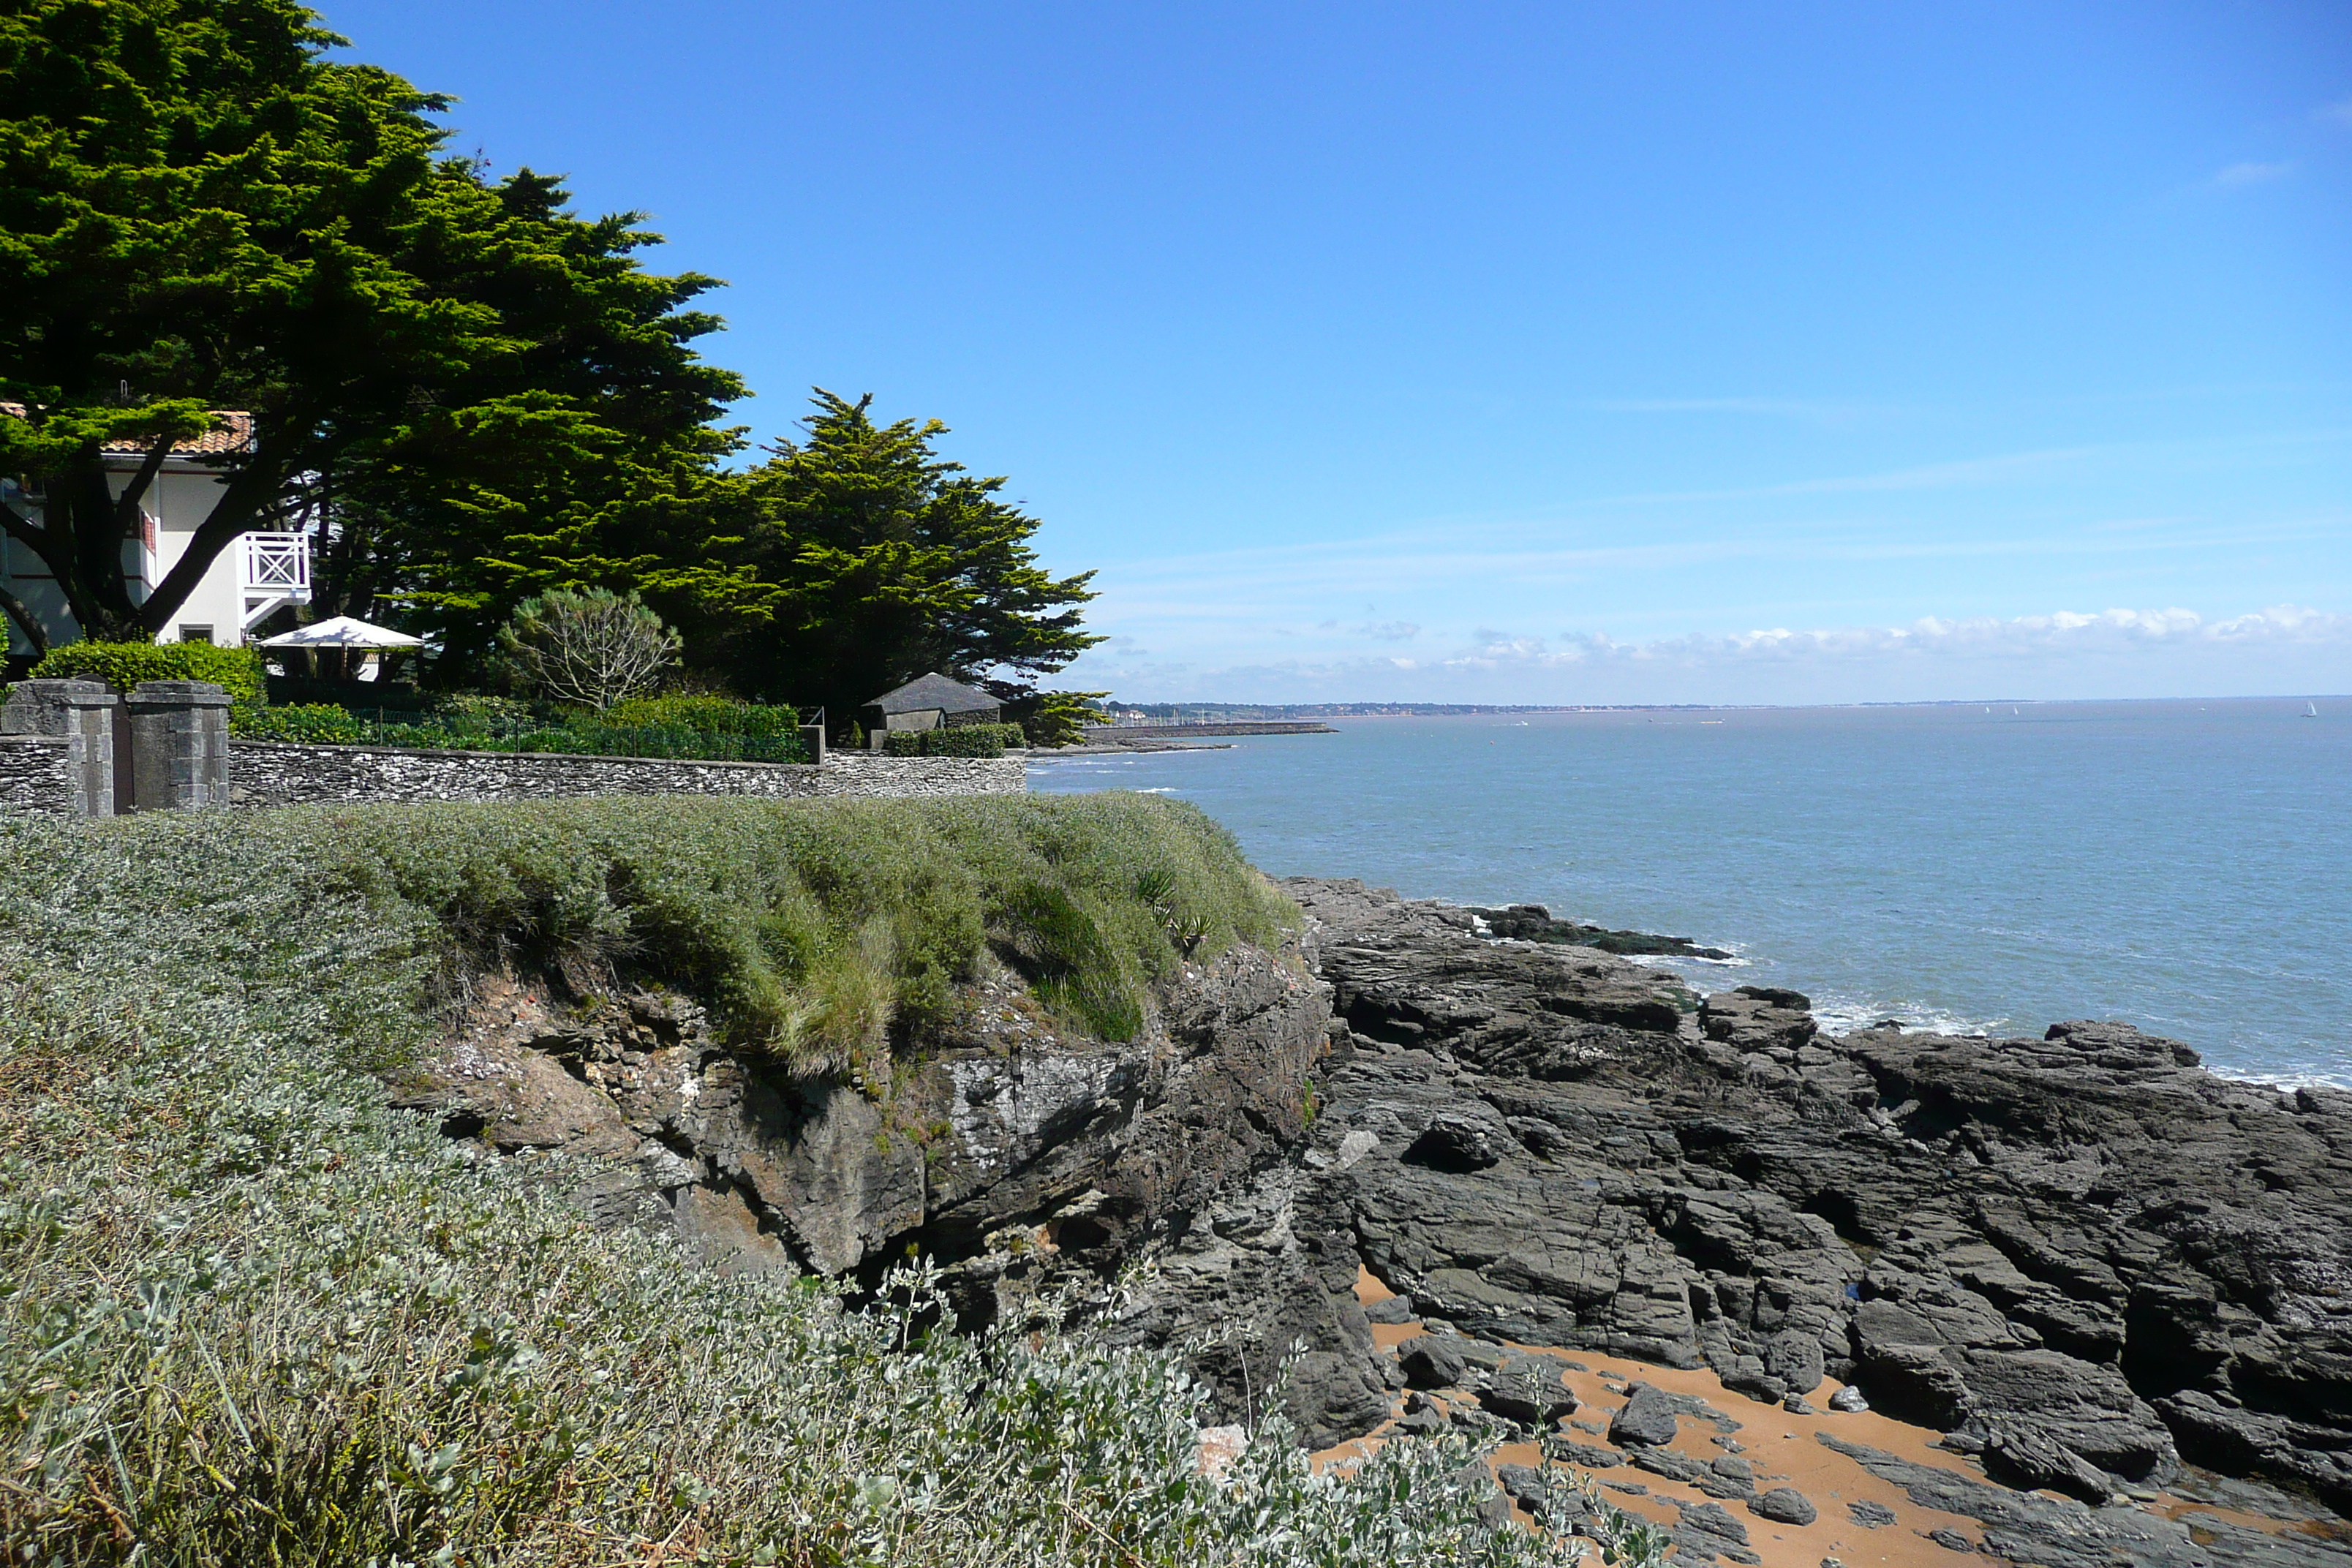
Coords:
250,1314
819,931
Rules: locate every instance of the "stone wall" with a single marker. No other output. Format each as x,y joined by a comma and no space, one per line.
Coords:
870,774
36,774
269,772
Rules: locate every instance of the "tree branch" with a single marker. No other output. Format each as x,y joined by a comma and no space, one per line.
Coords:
126,505
242,499
48,546
27,622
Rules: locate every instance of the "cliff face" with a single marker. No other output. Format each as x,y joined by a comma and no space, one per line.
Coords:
1021,1155
2082,1257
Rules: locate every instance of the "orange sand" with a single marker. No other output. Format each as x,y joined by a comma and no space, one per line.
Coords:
1780,1448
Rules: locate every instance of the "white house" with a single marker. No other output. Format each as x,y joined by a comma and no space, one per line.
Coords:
256,575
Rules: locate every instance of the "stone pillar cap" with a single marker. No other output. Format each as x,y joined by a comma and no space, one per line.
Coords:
75,691
179,694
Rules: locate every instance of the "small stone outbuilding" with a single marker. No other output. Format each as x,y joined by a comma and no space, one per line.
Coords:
930,702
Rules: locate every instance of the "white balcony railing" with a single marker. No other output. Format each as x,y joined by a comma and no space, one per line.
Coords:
277,563
273,569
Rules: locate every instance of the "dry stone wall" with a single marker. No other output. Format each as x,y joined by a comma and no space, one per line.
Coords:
267,774
36,774
868,773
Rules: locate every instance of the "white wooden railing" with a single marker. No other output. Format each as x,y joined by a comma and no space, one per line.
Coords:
273,569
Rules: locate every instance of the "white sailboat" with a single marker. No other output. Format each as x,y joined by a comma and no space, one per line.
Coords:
2311,710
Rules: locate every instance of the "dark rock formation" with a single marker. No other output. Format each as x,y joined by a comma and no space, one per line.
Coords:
1533,923
1025,1156
1785,1505
1648,1419
2082,1257
1531,1388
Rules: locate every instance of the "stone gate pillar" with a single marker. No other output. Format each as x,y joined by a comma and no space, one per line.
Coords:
179,745
82,712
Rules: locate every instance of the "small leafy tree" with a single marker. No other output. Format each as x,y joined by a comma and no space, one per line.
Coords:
1057,717
596,647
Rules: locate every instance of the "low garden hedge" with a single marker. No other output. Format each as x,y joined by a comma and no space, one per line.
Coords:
123,665
960,741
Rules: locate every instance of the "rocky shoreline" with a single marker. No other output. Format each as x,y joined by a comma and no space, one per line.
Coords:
2115,1284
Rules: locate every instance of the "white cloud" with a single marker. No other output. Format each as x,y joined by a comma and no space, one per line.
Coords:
2059,634
2062,653
2252,174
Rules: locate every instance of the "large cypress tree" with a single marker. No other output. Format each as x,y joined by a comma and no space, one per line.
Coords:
885,561
199,211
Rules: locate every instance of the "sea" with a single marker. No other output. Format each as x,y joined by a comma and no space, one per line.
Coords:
1981,868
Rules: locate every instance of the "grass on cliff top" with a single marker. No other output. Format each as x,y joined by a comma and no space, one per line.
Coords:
249,1314
820,932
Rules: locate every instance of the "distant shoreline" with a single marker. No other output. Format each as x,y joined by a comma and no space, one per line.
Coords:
1164,713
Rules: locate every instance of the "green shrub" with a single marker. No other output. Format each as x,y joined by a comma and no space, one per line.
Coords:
255,1315
692,729
313,723
711,715
473,714
960,741
1062,953
123,665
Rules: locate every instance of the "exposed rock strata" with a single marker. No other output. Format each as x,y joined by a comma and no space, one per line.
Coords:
2082,1257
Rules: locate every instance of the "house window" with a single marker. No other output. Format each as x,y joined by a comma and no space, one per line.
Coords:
195,634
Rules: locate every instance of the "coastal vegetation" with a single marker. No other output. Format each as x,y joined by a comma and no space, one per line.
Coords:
252,1315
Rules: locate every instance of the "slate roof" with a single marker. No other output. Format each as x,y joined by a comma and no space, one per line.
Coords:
236,435
927,691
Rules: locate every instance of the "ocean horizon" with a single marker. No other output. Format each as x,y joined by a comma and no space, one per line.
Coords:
1985,867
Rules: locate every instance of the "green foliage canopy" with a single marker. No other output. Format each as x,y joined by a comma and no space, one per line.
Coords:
198,211
887,561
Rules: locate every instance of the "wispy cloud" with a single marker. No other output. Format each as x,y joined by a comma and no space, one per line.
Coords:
1388,631
2339,113
2238,175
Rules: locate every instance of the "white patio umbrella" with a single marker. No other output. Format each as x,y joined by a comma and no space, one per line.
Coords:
343,632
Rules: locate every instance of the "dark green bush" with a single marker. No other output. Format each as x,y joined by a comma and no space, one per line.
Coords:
1063,954
392,698
476,713
960,741
313,723
753,733
711,715
123,665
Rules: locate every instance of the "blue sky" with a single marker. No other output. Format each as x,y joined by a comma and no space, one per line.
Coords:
1557,352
